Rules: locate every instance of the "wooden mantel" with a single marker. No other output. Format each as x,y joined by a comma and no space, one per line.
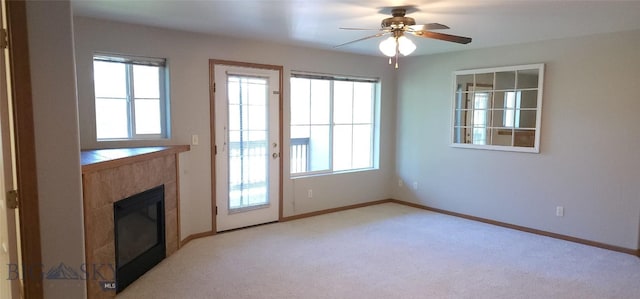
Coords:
110,175
94,160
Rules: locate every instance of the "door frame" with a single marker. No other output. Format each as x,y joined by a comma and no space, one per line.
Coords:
20,73
212,107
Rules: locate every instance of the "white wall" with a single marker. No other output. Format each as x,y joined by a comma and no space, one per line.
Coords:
57,144
188,55
590,138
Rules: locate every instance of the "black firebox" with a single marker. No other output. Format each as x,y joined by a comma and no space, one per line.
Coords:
139,235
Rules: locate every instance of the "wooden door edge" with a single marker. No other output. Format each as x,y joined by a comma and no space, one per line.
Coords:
25,149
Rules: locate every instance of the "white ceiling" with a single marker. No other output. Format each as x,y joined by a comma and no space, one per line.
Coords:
315,23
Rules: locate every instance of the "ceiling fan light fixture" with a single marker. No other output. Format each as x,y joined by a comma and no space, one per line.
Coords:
397,26
405,45
388,46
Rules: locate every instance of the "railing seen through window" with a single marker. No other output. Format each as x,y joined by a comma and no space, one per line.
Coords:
333,124
300,155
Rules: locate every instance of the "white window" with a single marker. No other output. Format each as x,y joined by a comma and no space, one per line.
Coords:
130,97
332,124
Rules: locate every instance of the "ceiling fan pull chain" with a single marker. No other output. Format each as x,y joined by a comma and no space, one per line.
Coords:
397,50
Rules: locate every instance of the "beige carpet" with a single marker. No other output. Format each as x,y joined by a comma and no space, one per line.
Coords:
388,251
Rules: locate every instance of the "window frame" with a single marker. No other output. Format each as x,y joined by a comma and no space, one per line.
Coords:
457,119
375,104
163,86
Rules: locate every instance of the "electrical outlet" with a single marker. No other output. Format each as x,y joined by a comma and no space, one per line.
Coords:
310,193
559,211
415,185
400,183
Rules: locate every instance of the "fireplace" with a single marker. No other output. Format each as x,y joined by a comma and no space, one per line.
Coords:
108,176
139,235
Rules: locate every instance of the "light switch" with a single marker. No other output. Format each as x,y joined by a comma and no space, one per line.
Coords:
194,139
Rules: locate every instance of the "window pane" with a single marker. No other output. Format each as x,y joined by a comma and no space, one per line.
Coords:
480,135
257,90
233,86
362,146
111,118
320,102
300,101
463,82
499,117
462,118
363,103
342,147
299,149
480,112
505,80
342,102
480,118
461,100
109,79
499,99
528,78
524,138
300,132
484,81
501,137
148,116
238,117
459,134
257,118
146,81
325,140
319,147
481,100
510,119
529,99
527,118
130,99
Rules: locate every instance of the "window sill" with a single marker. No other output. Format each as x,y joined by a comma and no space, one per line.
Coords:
320,174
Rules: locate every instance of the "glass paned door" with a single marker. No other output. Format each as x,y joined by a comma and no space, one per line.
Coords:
247,158
248,154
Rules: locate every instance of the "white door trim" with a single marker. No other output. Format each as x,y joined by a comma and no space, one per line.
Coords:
217,147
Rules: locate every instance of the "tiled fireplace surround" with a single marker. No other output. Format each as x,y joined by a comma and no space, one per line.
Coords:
111,175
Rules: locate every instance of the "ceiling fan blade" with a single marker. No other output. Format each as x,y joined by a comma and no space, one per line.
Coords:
351,28
430,26
442,36
361,39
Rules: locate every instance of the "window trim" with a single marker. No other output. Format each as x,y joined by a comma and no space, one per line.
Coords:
376,82
163,78
540,67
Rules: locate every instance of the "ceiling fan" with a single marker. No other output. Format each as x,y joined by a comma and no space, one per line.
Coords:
399,25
